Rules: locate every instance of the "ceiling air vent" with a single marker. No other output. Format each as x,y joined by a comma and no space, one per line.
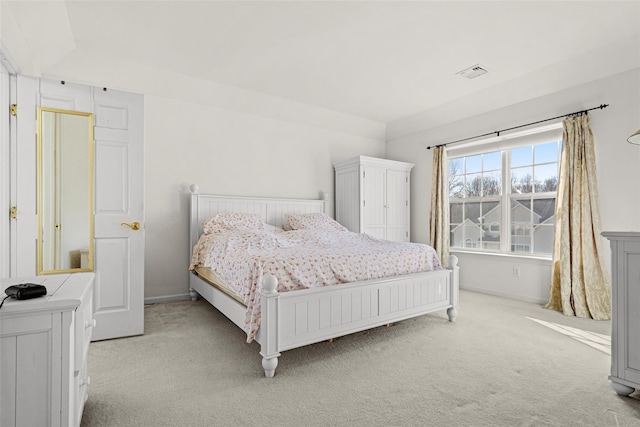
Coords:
473,72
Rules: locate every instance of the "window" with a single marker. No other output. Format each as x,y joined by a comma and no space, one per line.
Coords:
503,199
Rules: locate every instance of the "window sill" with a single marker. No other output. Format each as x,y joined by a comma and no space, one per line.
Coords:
502,255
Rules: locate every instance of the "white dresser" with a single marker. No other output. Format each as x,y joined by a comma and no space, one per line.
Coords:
372,196
44,343
625,311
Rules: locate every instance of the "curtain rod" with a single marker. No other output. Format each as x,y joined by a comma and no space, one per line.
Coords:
497,133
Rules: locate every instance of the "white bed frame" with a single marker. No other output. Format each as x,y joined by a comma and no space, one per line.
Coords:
297,318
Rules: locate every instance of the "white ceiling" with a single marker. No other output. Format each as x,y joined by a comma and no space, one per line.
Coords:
383,61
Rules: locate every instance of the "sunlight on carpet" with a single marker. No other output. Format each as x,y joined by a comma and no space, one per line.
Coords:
592,339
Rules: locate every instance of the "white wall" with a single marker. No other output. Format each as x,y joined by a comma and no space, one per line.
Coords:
230,153
618,174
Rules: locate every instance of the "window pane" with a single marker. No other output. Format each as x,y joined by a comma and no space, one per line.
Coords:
456,166
522,180
544,210
491,219
492,184
472,212
474,164
543,239
521,156
466,235
546,177
456,186
546,153
474,185
488,207
521,212
521,225
492,161
453,242
455,213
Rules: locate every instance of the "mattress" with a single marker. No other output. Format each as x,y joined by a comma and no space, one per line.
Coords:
212,278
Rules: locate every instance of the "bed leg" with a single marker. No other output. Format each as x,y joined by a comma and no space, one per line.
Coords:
452,311
269,325
269,366
193,294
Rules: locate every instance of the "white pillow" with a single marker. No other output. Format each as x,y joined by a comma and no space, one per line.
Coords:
232,221
313,221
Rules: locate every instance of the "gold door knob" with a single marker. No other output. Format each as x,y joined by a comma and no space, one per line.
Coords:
134,225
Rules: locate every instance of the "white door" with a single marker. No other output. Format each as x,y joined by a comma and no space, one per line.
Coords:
119,207
118,196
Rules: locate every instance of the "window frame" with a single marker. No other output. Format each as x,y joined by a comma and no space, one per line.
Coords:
504,144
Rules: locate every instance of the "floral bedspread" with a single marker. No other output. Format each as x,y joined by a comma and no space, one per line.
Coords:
303,259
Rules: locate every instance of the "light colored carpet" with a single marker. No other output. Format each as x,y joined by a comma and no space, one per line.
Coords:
494,367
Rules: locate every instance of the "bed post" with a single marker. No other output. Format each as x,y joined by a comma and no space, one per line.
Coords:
452,311
269,325
324,196
193,226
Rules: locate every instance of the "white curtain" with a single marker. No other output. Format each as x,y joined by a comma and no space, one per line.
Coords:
580,284
439,220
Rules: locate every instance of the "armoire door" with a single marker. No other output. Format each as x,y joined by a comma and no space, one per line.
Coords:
374,210
397,205
118,196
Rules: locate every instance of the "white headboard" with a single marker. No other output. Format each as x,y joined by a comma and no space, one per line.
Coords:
272,211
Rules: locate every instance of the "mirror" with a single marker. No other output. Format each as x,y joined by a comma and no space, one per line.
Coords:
65,191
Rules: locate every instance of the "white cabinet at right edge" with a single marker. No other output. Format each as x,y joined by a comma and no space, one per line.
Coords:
625,311
372,196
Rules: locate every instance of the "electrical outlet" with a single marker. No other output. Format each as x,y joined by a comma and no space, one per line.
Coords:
516,271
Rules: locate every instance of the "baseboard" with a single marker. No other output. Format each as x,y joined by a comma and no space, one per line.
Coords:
505,295
168,298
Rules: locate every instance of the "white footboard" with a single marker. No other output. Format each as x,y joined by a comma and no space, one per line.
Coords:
298,318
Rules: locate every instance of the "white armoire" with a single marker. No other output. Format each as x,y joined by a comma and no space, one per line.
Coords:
372,196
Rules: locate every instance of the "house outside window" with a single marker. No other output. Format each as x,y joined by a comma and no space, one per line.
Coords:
502,195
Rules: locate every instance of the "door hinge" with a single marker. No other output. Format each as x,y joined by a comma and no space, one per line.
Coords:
14,109
363,174
364,203
13,212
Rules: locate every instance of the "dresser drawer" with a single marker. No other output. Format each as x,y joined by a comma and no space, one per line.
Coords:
83,328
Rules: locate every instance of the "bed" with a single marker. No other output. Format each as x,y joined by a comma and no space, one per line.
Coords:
288,320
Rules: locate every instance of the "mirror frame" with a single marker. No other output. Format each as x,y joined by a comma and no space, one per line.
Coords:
39,184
